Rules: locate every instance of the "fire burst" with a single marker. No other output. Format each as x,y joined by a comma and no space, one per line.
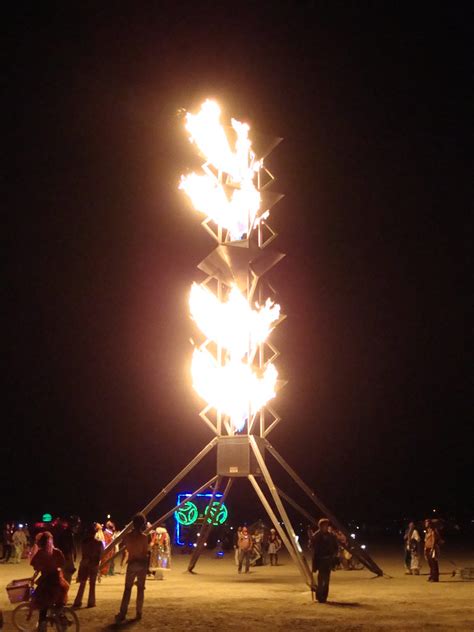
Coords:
225,369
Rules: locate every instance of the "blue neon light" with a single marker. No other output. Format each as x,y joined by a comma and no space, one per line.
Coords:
180,498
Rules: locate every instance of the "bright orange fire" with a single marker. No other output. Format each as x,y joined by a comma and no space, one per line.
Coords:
236,209
230,382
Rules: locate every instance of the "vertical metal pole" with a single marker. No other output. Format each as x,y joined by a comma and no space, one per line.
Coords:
301,560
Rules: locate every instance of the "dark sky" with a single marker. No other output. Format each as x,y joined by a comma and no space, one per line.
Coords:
374,101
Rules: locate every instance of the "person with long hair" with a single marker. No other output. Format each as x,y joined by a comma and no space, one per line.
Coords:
52,588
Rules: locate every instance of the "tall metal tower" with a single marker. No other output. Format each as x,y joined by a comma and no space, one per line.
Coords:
234,308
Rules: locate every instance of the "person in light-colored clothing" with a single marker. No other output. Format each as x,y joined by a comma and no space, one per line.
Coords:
245,545
274,545
19,543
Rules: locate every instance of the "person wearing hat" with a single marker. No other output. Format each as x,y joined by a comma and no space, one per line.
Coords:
274,545
324,545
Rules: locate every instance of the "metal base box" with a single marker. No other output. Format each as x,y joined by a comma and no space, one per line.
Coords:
235,456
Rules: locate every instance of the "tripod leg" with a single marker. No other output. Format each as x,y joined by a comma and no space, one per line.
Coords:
159,497
359,553
292,550
207,526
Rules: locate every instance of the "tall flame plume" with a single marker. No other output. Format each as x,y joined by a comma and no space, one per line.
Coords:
225,192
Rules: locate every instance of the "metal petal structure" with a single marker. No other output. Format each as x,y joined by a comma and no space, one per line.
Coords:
233,308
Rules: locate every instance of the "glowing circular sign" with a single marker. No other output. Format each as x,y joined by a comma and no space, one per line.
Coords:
187,514
47,517
217,513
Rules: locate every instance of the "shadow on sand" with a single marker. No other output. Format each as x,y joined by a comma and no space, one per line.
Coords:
121,626
344,604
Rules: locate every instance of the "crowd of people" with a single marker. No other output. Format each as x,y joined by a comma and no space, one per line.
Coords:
53,551
146,552
255,549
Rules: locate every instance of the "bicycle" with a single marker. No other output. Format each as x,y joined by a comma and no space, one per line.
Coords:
60,618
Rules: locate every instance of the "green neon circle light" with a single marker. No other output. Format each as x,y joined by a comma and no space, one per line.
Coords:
217,513
187,514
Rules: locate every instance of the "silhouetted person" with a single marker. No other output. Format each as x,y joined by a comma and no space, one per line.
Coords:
325,549
64,540
136,543
88,568
432,544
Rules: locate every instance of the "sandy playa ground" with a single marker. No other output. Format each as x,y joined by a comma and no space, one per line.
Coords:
274,598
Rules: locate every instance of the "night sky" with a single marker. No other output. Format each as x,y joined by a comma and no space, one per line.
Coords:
374,101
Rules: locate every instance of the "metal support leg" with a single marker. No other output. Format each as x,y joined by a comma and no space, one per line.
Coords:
206,527
359,553
300,559
159,497
276,523
169,513
295,505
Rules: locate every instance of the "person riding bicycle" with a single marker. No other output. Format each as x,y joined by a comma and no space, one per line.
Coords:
52,588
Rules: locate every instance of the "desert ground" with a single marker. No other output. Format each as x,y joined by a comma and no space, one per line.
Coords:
274,598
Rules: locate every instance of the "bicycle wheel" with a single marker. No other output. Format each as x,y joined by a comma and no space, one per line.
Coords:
25,618
65,620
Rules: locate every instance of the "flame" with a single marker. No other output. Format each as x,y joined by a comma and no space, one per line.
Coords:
234,388
238,213
226,193
232,324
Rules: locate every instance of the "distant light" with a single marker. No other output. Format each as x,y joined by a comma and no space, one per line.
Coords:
353,535
20,526
357,527
195,544
198,534
434,510
362,546
47,517
232,528
108,516
205,543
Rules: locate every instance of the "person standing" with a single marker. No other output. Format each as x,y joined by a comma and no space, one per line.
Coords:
274,545
236,545
325,549
88,568
432,545
136,543
7,542
245,545
108,563
65,542
19,543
